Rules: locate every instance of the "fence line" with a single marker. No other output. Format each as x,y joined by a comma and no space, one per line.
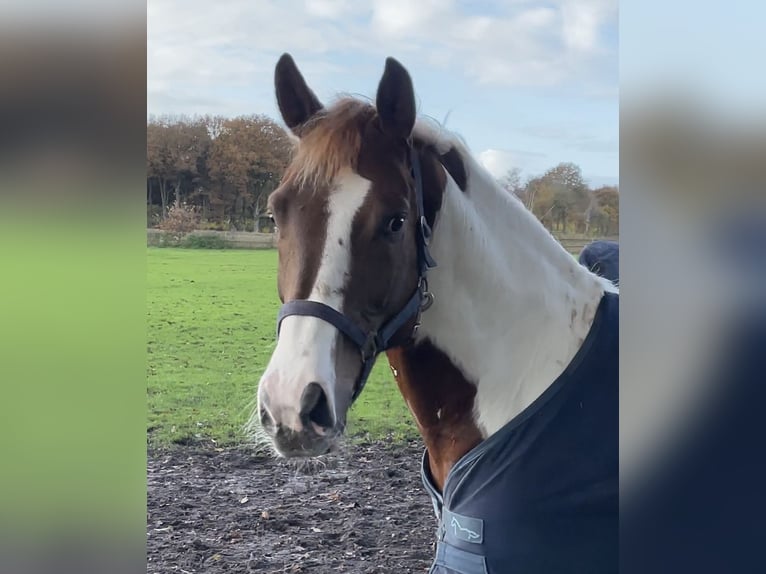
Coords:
574,243
252,240
234,239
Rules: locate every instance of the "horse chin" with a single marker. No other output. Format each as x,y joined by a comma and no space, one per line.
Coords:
305,445
315,452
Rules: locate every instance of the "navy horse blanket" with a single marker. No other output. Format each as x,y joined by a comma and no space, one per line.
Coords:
541,494
603,258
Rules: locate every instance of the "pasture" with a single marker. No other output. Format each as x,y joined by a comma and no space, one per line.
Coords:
214,505
210,332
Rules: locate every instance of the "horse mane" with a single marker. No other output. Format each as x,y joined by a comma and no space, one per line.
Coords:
431,133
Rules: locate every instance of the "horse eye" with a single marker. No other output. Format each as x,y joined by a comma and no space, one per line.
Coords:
395,224
274,225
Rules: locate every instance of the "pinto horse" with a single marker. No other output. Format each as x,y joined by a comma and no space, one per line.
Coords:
392,238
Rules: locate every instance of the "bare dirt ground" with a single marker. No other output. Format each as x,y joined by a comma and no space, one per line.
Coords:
228,510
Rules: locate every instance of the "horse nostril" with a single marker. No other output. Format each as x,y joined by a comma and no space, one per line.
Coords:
315,406
265,417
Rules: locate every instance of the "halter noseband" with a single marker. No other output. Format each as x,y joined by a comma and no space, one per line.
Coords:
372,343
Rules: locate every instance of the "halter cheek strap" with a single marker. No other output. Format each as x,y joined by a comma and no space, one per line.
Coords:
372,343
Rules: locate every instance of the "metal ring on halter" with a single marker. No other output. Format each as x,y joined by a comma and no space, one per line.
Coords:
428,300
426,297
370,348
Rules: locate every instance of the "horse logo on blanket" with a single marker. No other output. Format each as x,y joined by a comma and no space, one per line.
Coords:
461,532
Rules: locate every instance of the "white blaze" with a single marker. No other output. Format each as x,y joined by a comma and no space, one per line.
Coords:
305,350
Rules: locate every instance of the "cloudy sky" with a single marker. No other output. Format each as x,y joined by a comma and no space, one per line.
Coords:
526,84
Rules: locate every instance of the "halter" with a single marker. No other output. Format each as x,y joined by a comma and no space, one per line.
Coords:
372,343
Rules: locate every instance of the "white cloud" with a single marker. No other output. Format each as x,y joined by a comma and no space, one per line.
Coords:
582,21
523,45
518,49
196,46
499,162
330,9
405,17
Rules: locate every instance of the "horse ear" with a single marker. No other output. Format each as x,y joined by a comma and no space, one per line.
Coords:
297,103
396,100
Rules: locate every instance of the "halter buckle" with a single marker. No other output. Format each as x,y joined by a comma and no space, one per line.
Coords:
427,301
425,230
426,297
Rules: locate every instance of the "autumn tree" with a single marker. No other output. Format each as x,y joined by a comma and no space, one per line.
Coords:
561,199
160,167
606,217
246,161
226,167
221,171
571,197
174,147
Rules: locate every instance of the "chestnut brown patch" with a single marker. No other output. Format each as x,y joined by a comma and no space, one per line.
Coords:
441,399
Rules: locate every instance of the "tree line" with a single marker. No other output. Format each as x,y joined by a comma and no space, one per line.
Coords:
562,200
222,168
215,172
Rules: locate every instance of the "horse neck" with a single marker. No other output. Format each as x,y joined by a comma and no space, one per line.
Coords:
511,309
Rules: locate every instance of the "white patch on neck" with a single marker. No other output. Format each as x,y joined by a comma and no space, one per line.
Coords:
511,307
305,350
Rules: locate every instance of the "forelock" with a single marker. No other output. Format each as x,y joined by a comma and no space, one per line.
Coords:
329,143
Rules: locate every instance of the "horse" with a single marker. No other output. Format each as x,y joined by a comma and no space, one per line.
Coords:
603,258
393,239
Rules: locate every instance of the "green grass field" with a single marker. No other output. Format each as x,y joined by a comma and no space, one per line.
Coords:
210,333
